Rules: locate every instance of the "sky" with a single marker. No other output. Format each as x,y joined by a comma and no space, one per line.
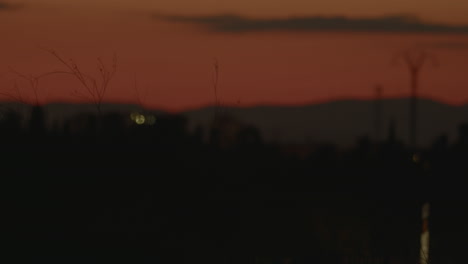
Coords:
268,51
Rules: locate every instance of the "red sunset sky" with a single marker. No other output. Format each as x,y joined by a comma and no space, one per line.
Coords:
172,55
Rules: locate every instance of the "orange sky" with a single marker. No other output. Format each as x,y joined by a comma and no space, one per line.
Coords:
453,11
173,62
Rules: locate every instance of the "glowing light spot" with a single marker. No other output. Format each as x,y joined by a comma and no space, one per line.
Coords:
134,116
416,158
151,120
140,119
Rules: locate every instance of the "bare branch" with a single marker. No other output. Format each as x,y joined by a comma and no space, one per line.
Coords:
33,82
95,87
15,97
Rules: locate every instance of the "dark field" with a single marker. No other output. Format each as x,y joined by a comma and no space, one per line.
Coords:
107,191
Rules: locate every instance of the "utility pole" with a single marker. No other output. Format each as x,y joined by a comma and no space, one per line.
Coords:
415,60
378,113
215,87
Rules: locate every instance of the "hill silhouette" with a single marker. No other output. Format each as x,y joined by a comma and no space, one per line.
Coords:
338,122
341,122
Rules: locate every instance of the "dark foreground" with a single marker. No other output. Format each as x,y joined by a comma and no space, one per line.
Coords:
162,195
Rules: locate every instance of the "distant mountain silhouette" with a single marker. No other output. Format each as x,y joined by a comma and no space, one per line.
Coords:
340,122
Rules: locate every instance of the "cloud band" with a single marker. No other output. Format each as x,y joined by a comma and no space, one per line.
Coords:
236,23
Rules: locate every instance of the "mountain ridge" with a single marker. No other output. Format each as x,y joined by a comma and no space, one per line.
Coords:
340,122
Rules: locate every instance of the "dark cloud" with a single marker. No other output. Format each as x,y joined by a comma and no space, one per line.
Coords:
236,23
7,6
4,6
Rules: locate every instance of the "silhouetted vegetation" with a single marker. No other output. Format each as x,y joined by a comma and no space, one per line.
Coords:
152,189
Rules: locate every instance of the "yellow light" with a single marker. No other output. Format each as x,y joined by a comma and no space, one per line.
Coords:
416,158
140,119
134,116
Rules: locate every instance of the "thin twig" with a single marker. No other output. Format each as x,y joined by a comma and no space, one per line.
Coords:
95,88
33,82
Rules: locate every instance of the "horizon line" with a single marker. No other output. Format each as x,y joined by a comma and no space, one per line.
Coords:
252,105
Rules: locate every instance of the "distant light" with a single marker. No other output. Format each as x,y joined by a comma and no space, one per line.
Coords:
416,158
134,116
151,120
140,119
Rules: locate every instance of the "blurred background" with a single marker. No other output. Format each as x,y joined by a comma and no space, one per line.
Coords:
263,132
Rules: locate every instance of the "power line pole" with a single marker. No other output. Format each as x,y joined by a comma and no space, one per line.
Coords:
415,60
378,113
215,87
